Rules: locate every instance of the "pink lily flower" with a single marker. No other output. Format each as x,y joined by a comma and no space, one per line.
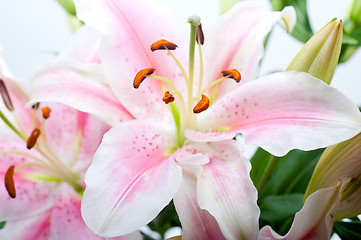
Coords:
163,150
44,174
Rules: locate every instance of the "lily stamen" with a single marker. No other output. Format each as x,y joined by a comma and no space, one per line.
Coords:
163,45
141,75
9,182
200,35
168,97
30,143
232,73
46,112
202,105
5,96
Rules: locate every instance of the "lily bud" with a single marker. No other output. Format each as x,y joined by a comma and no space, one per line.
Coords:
319,56
342,160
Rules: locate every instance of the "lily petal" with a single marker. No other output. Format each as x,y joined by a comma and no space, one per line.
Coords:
315,220
197,224
32,228
66,220
278,107
238,41
79,86
126,50
32,197
131,179
17,96
226,191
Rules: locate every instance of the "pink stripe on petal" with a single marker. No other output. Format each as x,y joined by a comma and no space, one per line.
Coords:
131,179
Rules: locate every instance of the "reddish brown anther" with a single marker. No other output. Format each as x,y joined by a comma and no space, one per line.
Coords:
35,106
232,73
30,143
163,45
168,97
202,105
5,95
141,75
9,182
46,112
200,35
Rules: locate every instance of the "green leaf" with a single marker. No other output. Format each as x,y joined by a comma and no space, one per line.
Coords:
278,207
302,30
2,224
259,163
165,220
68,5
348,230
289,174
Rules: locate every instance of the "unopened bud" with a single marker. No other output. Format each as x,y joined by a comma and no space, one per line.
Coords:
341,160
319,56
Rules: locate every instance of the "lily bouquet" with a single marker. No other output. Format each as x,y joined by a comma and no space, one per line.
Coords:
153,114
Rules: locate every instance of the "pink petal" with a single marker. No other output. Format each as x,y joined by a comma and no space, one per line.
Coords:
72,135
226,191
131,178
78,86
238,42
31,228
66,220
129,29
92,131
197,224
315,220
18,99
281,112
32,197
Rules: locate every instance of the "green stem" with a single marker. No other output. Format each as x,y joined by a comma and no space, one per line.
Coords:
267,174
192,44
12,126
212,84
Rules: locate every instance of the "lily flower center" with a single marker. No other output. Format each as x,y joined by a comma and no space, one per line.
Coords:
185,110
41,156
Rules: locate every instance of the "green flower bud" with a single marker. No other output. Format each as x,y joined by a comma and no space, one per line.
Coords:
342,160
319,56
